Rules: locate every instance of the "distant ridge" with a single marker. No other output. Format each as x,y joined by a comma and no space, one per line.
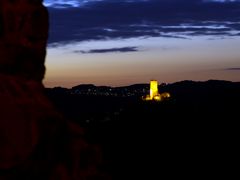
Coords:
140,85
83,86
182,89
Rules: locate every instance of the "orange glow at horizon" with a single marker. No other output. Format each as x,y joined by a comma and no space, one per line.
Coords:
167,60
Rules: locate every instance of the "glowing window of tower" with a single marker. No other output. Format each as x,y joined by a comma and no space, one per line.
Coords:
153,89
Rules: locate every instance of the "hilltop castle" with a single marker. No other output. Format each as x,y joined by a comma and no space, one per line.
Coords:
154,94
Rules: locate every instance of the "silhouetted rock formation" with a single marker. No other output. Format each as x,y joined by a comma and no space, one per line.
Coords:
23,38
35,141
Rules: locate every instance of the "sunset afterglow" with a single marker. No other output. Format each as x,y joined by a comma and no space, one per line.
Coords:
93,42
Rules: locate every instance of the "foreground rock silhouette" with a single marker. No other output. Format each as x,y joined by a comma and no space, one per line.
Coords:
35,141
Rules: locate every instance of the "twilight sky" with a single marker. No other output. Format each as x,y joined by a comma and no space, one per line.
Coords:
123,42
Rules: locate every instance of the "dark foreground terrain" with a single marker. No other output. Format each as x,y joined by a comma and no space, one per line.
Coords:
193,134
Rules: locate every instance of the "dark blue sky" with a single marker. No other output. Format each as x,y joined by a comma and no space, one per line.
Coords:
89,28
84,20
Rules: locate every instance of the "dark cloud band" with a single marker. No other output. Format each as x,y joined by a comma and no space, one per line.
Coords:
122,50
152,18
233,69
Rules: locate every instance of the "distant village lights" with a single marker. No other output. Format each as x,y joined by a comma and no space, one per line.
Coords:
154,94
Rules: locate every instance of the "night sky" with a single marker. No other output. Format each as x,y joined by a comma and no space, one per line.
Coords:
123,42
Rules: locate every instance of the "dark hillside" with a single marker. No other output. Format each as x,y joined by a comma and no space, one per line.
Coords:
193,131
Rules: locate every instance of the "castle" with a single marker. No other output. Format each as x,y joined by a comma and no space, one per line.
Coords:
154,94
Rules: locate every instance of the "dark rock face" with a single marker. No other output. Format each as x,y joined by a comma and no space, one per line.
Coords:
25,112
23,38
35,141
22,54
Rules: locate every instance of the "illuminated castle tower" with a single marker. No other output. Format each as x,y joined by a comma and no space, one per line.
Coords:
153,89
154,94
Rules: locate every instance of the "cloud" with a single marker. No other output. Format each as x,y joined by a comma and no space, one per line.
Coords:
67,3
233,69
221,1
108,19
121,50
79,3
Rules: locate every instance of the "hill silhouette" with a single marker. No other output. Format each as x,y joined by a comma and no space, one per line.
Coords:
193,132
